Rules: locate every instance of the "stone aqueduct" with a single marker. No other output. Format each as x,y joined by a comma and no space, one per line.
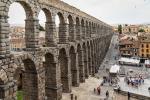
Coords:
48,71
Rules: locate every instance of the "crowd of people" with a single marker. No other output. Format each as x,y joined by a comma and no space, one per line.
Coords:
110,81
98,91
134,81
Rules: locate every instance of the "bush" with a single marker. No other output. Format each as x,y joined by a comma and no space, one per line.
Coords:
19,95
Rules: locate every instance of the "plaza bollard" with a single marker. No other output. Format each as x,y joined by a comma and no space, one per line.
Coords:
71,95
75,97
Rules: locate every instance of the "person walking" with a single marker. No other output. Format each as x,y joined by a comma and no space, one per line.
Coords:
107,94
99,90
129,95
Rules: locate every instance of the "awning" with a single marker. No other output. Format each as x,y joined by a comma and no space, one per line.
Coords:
114,69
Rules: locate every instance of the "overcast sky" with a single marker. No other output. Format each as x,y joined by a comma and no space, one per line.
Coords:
109,11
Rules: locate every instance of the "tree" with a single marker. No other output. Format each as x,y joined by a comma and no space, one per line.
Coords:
126,24
141,30
41,28
120,29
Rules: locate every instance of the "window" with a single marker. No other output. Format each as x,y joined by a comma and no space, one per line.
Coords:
147,46
128,52
142,55
142,50
135,54
147,50
147,55
142,45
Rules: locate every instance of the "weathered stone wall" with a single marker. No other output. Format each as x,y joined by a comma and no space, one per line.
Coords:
48,71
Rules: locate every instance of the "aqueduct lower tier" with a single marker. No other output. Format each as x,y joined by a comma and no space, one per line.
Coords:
66,61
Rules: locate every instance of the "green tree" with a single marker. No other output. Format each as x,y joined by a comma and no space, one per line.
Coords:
141,30
120,29
41,28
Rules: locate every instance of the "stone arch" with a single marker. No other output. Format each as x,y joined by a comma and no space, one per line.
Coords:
85,60
62,29
74,68
31,33
47,13
89,57
5,26
51,78
65,70
61,17
30,80
26,5
83,28
98,28
50,27
78,29
87,29
92,57
25,69
90,29
71,28
80,63
94,29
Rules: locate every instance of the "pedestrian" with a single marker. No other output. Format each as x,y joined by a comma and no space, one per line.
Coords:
98,90
129,95
119,89
94,90
107,94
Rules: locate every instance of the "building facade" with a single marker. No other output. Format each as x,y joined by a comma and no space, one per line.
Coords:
130,29
144,48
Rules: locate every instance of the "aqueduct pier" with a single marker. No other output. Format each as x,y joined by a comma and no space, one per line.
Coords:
66,61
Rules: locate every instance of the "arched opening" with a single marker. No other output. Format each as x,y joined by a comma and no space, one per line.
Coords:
71,28
18,76
83,29
92,58
90,29
80,64
87,29
74,68
50,76
47,28
85,61
17,26
30,81
29,36
2,90
89,58
61,28
78,32
97,28
27,84
65,71
42,20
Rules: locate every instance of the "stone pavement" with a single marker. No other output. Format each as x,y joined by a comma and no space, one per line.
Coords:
121,97
85,91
